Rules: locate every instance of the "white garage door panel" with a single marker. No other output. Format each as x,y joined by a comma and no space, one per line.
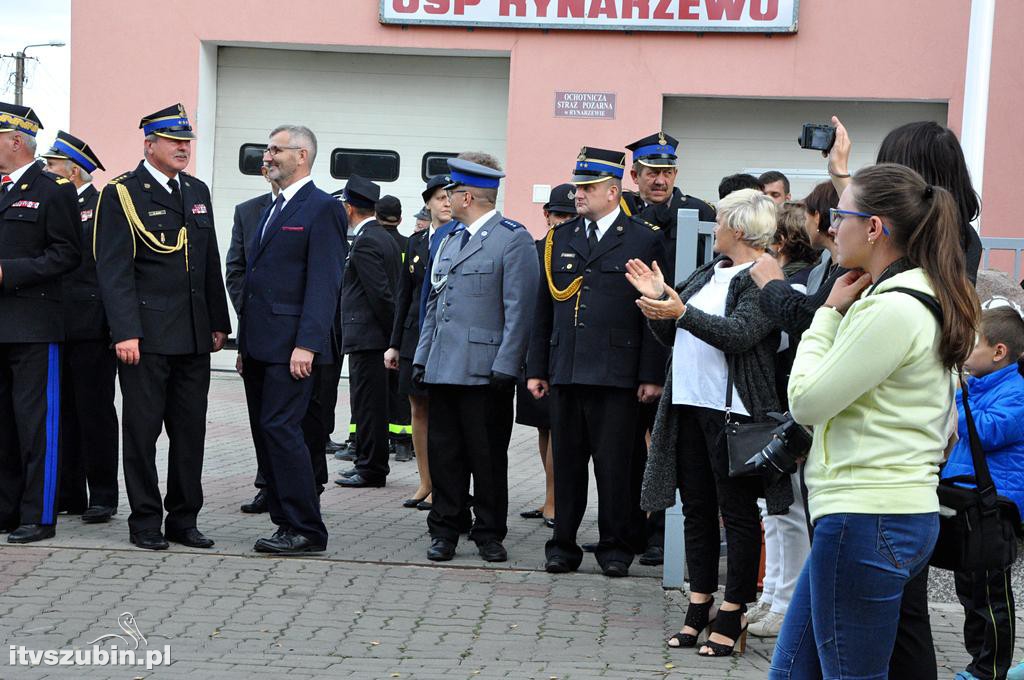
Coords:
721,136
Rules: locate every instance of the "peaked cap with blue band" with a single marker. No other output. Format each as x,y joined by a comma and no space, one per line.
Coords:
171,123
15,118
655,151
597,165
361,192
72,148
472,174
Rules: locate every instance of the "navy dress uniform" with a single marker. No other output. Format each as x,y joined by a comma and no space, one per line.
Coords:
471,349
659,151
160,280
367,315
593,346
89,455
40,242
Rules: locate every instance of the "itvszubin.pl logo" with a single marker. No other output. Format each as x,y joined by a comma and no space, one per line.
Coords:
117,650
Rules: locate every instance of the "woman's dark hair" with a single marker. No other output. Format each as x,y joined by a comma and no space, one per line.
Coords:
822,199
925,224
935,153
790,232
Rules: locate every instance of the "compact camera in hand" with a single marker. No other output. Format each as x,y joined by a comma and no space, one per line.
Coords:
790,443
817,136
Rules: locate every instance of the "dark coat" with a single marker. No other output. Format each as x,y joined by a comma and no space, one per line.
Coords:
292,281
606,340
40,241
749,340
171,301
246,222
84,318
370,290
405,333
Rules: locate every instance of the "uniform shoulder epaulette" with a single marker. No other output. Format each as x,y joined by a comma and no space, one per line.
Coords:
121,178
56,179
572,220
644,223
511,225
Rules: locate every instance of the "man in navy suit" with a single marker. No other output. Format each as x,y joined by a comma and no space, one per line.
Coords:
293,277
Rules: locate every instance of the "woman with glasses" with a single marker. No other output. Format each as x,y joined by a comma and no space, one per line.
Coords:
872,376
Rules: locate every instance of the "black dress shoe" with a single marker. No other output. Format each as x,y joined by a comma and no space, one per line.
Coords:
425,505
286,542
349,472
30,533
191,537
357,481
346,455
589,547
412,502
403,452
150,539
549,522
441,550
493,551
532,514
258,504
97,514
615,569
333,446
653,556
557,564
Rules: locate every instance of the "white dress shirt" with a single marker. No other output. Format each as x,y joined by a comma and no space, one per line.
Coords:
161,178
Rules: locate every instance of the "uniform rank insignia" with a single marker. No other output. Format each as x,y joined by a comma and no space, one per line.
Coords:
60,180
568,255
86,215
199,209
154,213
26,204
25,186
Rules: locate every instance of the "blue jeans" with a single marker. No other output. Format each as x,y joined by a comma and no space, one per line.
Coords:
842,621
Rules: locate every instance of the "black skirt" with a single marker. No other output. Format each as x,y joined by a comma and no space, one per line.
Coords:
405,386
530,411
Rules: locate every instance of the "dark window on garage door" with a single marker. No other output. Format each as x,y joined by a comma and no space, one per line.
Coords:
435,163
250,158
373,164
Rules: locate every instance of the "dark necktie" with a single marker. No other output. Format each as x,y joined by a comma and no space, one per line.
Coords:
592,236
175,190
278,204
465,238
5,183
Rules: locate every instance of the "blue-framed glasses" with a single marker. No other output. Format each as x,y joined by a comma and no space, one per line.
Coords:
836,216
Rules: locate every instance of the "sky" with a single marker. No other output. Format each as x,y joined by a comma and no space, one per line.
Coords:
48,89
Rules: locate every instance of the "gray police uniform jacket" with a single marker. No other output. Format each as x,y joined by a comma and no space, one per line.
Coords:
479,321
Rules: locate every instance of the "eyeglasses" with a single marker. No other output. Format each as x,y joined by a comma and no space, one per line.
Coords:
836,216
274,150
451,193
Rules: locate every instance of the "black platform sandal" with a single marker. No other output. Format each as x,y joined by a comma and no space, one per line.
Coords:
698,617
727,624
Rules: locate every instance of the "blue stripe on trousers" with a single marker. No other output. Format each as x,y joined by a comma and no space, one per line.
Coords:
52,434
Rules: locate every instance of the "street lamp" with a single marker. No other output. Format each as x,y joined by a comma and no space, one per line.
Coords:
19,67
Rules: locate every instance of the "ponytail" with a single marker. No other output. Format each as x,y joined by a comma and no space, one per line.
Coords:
926,226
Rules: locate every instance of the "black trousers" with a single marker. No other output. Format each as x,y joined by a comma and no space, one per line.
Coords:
469,436
706,489
599,424
316,423
989,623
370,412
89,454
277,405
913,656
164,391
399,411
29,433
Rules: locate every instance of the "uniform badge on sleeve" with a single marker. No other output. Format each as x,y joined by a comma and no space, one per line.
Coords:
199,209
26,204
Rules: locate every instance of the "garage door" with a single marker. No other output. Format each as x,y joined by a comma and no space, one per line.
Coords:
720,136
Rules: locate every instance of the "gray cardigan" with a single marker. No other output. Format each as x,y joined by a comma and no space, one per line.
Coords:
750,341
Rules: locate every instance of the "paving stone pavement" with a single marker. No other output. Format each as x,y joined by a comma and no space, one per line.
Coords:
371,607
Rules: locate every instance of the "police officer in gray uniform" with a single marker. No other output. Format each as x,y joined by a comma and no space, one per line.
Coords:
484,283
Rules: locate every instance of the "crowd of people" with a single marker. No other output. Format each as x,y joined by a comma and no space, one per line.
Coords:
852,309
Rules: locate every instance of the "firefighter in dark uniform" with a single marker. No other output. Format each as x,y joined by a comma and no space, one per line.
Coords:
161,283
39,243
658,203
88,418
659,200
389,214
592,349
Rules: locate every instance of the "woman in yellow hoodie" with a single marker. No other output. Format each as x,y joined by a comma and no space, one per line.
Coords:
873,377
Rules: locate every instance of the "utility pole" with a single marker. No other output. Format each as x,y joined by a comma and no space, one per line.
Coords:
19,67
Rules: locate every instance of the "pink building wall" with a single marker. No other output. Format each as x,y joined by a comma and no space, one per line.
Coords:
128,60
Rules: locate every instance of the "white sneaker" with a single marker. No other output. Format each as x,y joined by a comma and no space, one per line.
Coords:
767,626
758,611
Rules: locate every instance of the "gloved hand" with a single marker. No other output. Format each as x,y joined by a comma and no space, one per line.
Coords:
419,372
502,381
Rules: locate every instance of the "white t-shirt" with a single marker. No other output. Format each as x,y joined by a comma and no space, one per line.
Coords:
699,371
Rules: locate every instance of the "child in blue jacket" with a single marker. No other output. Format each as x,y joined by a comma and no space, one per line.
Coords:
996,391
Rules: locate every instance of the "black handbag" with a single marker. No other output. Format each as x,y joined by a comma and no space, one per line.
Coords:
978,529
743,440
